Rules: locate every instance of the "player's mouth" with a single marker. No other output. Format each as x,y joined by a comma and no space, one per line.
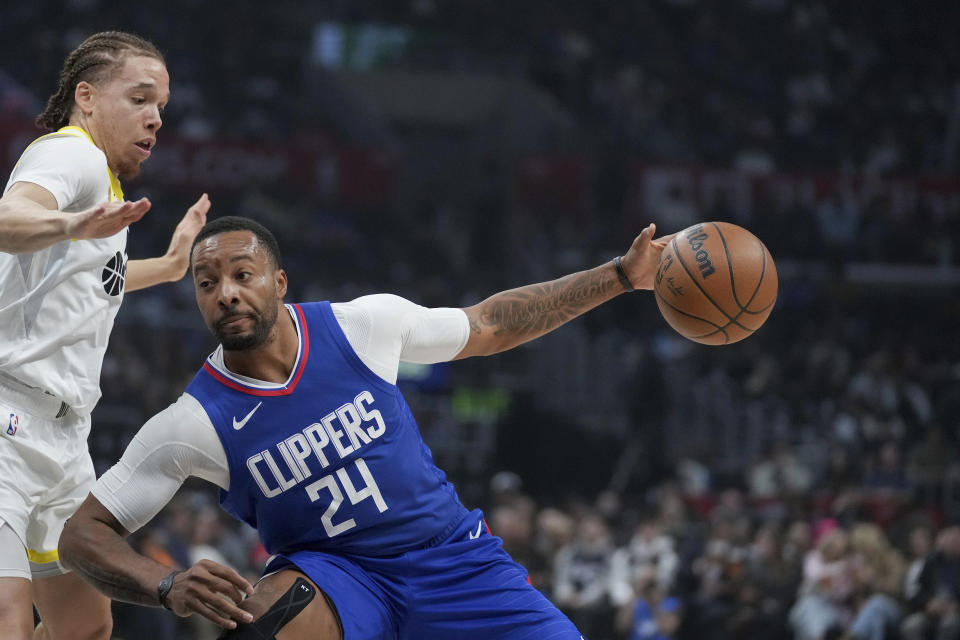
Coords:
233,320
145,146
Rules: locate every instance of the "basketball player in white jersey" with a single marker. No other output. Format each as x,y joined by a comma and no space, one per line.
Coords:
63,273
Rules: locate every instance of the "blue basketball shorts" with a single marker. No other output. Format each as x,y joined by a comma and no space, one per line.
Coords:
465,587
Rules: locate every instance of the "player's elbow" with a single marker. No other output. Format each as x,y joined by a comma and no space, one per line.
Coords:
74,541
68,548
77,540
487,337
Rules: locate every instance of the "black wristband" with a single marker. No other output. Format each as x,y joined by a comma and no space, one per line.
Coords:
624,280
163,589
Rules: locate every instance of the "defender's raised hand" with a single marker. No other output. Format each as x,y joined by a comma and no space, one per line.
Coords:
106,219
186,231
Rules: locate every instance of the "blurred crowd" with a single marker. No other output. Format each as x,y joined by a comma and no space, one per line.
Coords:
755,84
802,484
677,567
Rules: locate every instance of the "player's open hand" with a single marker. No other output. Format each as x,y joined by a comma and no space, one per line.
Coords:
212,591
106,219
186,231
640,261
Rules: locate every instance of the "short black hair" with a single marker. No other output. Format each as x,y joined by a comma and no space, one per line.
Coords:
226,224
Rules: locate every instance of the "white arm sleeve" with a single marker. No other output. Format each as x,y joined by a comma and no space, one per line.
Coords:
178,442
386,329
70,168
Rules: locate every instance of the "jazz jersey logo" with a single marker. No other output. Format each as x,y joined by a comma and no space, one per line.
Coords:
13,424
114,274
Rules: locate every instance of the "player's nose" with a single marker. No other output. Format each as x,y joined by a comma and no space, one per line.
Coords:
154,120
228,293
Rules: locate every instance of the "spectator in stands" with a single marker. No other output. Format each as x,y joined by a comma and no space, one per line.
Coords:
765,592
935,606
919,546
513,523
582,576
877,574
649,548
651,614
823,599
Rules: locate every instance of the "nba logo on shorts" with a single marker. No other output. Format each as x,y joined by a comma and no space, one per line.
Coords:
12,425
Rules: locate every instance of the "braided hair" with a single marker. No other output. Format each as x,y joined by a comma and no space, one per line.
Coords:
96,57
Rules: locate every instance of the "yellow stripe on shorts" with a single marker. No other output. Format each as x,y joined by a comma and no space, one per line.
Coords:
42,557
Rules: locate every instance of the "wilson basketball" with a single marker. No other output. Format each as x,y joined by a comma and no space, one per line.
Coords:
716,283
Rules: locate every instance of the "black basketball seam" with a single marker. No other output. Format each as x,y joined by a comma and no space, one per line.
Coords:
719,329
763,272
752,313
744,308
726,253
723,330
676,252
689,315
759,311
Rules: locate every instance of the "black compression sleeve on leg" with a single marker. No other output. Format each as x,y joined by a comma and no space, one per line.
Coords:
283,611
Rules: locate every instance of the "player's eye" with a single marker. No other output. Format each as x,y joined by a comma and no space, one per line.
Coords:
139,100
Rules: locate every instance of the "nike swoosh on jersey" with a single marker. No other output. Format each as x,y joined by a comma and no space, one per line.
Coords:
239,424
474,536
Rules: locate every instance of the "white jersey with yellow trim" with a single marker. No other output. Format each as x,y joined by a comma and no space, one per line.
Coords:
57,305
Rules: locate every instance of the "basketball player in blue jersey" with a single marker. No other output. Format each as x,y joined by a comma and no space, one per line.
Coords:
297,418
63,275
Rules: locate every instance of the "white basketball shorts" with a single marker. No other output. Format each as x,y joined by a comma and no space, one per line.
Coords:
45,473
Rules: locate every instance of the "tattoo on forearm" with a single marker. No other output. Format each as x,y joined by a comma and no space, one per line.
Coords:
538,308
114,585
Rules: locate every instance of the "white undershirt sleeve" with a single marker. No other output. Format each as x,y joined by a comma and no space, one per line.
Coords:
178,442
385,329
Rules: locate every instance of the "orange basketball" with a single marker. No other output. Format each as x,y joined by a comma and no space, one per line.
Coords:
716,283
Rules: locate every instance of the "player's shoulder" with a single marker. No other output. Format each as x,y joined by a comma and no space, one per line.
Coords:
375,302
184,414
64,146
73,158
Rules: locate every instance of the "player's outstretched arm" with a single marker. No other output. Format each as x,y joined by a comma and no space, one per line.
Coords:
510,318
30,220
93,544
173,265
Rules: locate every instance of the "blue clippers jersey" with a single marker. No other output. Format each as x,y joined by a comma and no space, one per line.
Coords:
332,461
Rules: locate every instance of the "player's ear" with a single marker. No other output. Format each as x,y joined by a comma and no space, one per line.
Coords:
281,280
83,96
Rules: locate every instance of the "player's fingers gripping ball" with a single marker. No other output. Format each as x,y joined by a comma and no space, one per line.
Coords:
716,283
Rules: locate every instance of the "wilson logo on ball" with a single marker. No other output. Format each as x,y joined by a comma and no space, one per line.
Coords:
114,274
696,239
